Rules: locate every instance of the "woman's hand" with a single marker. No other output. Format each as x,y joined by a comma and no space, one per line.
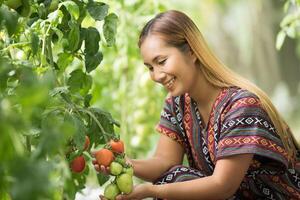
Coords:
139,192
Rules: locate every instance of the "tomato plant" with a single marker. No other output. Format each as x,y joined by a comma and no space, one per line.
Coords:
48,51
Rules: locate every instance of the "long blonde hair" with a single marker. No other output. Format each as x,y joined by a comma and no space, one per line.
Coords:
179,30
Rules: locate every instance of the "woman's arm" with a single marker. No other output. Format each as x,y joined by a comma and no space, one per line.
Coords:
168,153
227,177
222,184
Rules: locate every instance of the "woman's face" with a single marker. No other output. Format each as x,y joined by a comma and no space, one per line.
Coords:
174,69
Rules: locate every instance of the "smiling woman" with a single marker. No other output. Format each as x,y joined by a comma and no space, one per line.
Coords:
237,144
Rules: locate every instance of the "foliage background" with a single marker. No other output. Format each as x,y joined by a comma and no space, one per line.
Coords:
250,37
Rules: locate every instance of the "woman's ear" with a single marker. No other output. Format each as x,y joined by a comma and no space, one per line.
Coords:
193,56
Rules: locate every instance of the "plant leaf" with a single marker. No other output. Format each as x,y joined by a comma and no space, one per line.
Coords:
92,38
64,59
280,39
110,28
72,8
92,61
97,10
79,82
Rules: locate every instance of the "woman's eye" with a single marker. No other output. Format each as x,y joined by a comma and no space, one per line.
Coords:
150,69
162,62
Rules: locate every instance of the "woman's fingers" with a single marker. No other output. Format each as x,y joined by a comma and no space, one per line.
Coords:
104,169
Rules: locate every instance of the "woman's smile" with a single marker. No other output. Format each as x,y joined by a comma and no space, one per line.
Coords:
169,84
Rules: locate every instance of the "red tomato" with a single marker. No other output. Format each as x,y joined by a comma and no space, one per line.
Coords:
117,146
104,157
78,164
87,143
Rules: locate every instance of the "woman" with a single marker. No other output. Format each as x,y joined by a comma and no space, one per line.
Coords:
237,145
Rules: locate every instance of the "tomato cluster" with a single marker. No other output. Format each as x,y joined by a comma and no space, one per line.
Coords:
114,157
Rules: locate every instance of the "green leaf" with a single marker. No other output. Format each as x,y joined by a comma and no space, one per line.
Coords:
92,38
280,39
79,82
291,31
97,10
59,90
72,8
64,59
106,132
79,135
10,19
87,100
31,179
288,19
102,178
34,43
286,6
55,17
110,28
73,38
92,61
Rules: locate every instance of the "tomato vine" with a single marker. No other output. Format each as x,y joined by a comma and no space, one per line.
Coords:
49,48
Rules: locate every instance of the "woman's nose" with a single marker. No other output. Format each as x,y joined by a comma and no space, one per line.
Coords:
158,76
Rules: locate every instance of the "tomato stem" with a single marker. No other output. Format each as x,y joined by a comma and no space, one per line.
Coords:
106,135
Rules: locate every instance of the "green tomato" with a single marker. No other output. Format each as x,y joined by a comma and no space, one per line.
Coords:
111,191
14,4
128,170
125,183
115,168
121,161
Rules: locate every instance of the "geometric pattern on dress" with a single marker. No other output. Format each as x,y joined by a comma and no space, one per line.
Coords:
248,121
294,177
213,122
208,155
237,141
178,173
184,124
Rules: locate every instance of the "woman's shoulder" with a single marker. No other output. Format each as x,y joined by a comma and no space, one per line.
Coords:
241,93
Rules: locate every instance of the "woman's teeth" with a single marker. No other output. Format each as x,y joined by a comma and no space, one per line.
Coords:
170,83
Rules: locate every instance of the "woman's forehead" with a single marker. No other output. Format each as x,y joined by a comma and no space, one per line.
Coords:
152,47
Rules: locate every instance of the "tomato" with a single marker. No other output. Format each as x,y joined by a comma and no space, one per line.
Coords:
125,183
121,161
117,146
128,170
104,157
14,4
87,143
111,191
78,164
115,168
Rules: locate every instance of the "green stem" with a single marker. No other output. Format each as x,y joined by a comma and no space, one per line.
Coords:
97,122
28,143
15,45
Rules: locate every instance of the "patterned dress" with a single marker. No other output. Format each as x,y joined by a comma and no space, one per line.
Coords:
237,125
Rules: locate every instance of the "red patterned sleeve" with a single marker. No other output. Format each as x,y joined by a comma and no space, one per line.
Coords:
247,128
